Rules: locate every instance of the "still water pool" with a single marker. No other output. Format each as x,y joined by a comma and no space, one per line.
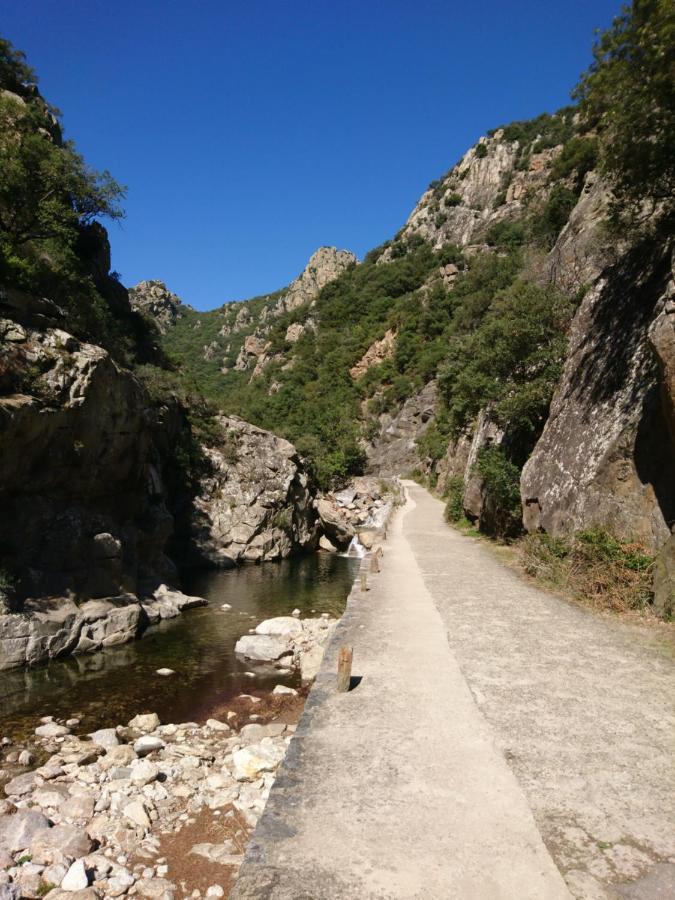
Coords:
109,687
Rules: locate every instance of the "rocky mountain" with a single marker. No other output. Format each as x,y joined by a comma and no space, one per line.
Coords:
235,337
157,302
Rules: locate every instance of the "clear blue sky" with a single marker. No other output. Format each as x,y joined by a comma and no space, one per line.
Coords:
249,133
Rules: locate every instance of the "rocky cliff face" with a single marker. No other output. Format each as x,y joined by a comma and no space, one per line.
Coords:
88,493
324,266
80,476
235,337
606,453
85,508
394,449
490,184
254,500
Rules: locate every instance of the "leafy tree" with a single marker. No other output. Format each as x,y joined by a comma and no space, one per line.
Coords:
46,189
14,70
628,96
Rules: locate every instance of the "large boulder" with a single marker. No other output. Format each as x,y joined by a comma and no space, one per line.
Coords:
263,647
19,829
254,500
334,523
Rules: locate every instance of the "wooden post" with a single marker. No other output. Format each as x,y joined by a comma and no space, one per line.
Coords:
344,673
364,580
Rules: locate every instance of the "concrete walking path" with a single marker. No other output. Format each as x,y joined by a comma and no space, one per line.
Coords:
399,788
581,704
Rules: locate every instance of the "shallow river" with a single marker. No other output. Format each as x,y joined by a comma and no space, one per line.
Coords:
109,687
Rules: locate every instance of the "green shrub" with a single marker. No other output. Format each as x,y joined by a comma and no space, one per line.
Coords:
544,131
453,199
434,442
578,156
283,519
511,359
501,483
481,151
506,235
454,508
545,226
6,581
628,96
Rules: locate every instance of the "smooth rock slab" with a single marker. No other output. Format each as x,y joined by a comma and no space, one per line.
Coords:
136,812
225,854
215,725
76,877
263,647
22,784
105,737
148,744
147,722
68,840
251,762
144,772
283,626
51,729
19,829
118,756
282,689
80,807
158,888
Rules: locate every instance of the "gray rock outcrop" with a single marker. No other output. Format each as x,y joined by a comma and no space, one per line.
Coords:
155,300
254,500
485,187
84,505
606,453
394,450
51,627
324,266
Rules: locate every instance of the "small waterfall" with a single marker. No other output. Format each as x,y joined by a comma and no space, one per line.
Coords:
356,548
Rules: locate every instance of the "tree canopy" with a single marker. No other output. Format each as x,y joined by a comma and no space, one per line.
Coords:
46,189
628,96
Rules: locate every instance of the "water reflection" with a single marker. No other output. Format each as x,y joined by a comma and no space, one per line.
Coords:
111,686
